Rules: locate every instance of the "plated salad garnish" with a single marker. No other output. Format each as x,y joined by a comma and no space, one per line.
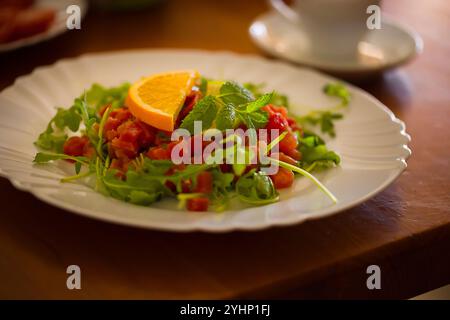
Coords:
199,140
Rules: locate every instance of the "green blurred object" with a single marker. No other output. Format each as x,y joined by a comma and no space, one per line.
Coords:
128,5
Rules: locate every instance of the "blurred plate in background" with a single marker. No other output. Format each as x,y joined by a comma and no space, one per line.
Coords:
57,27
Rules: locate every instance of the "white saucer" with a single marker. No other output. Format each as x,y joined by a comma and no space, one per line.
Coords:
382,49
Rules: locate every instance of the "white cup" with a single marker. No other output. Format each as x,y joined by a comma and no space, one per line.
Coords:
333,27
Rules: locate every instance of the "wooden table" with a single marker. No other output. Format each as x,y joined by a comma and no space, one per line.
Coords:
405,230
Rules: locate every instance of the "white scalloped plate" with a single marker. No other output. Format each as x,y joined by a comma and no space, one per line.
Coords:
370,139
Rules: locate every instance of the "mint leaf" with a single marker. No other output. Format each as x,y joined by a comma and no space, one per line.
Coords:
232,92
254,120
226,117
260,102
204,110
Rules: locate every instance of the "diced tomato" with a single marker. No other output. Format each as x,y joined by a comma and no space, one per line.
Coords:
161,138
148,134
123,114
88,150
279,109
283,178
74,146
204,182
294,125
295,154
285,158
111,124
186,186
121,165
171,186
124,149
116,164
277,121
110,135
129,132
289,146
268,109
197,204
189,104
224,167
158,153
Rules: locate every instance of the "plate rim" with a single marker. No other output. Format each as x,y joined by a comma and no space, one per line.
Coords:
201,228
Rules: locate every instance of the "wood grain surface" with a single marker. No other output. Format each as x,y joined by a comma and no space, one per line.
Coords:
405,229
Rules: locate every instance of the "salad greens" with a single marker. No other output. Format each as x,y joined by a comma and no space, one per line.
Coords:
84,109
225,105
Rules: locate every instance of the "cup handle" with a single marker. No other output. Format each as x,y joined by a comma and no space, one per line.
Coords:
282,8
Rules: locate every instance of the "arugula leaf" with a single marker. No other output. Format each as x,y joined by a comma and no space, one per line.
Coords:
226,117
143,198
204,110
256,188
137,188
89,119
315,154
311,139
43,157
48,140
203,86
338,90
67,118
156,167
318,153
53,137
323,118
232,92
78,167
98,96
222,188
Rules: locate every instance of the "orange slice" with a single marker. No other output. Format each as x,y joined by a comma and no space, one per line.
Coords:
157,100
